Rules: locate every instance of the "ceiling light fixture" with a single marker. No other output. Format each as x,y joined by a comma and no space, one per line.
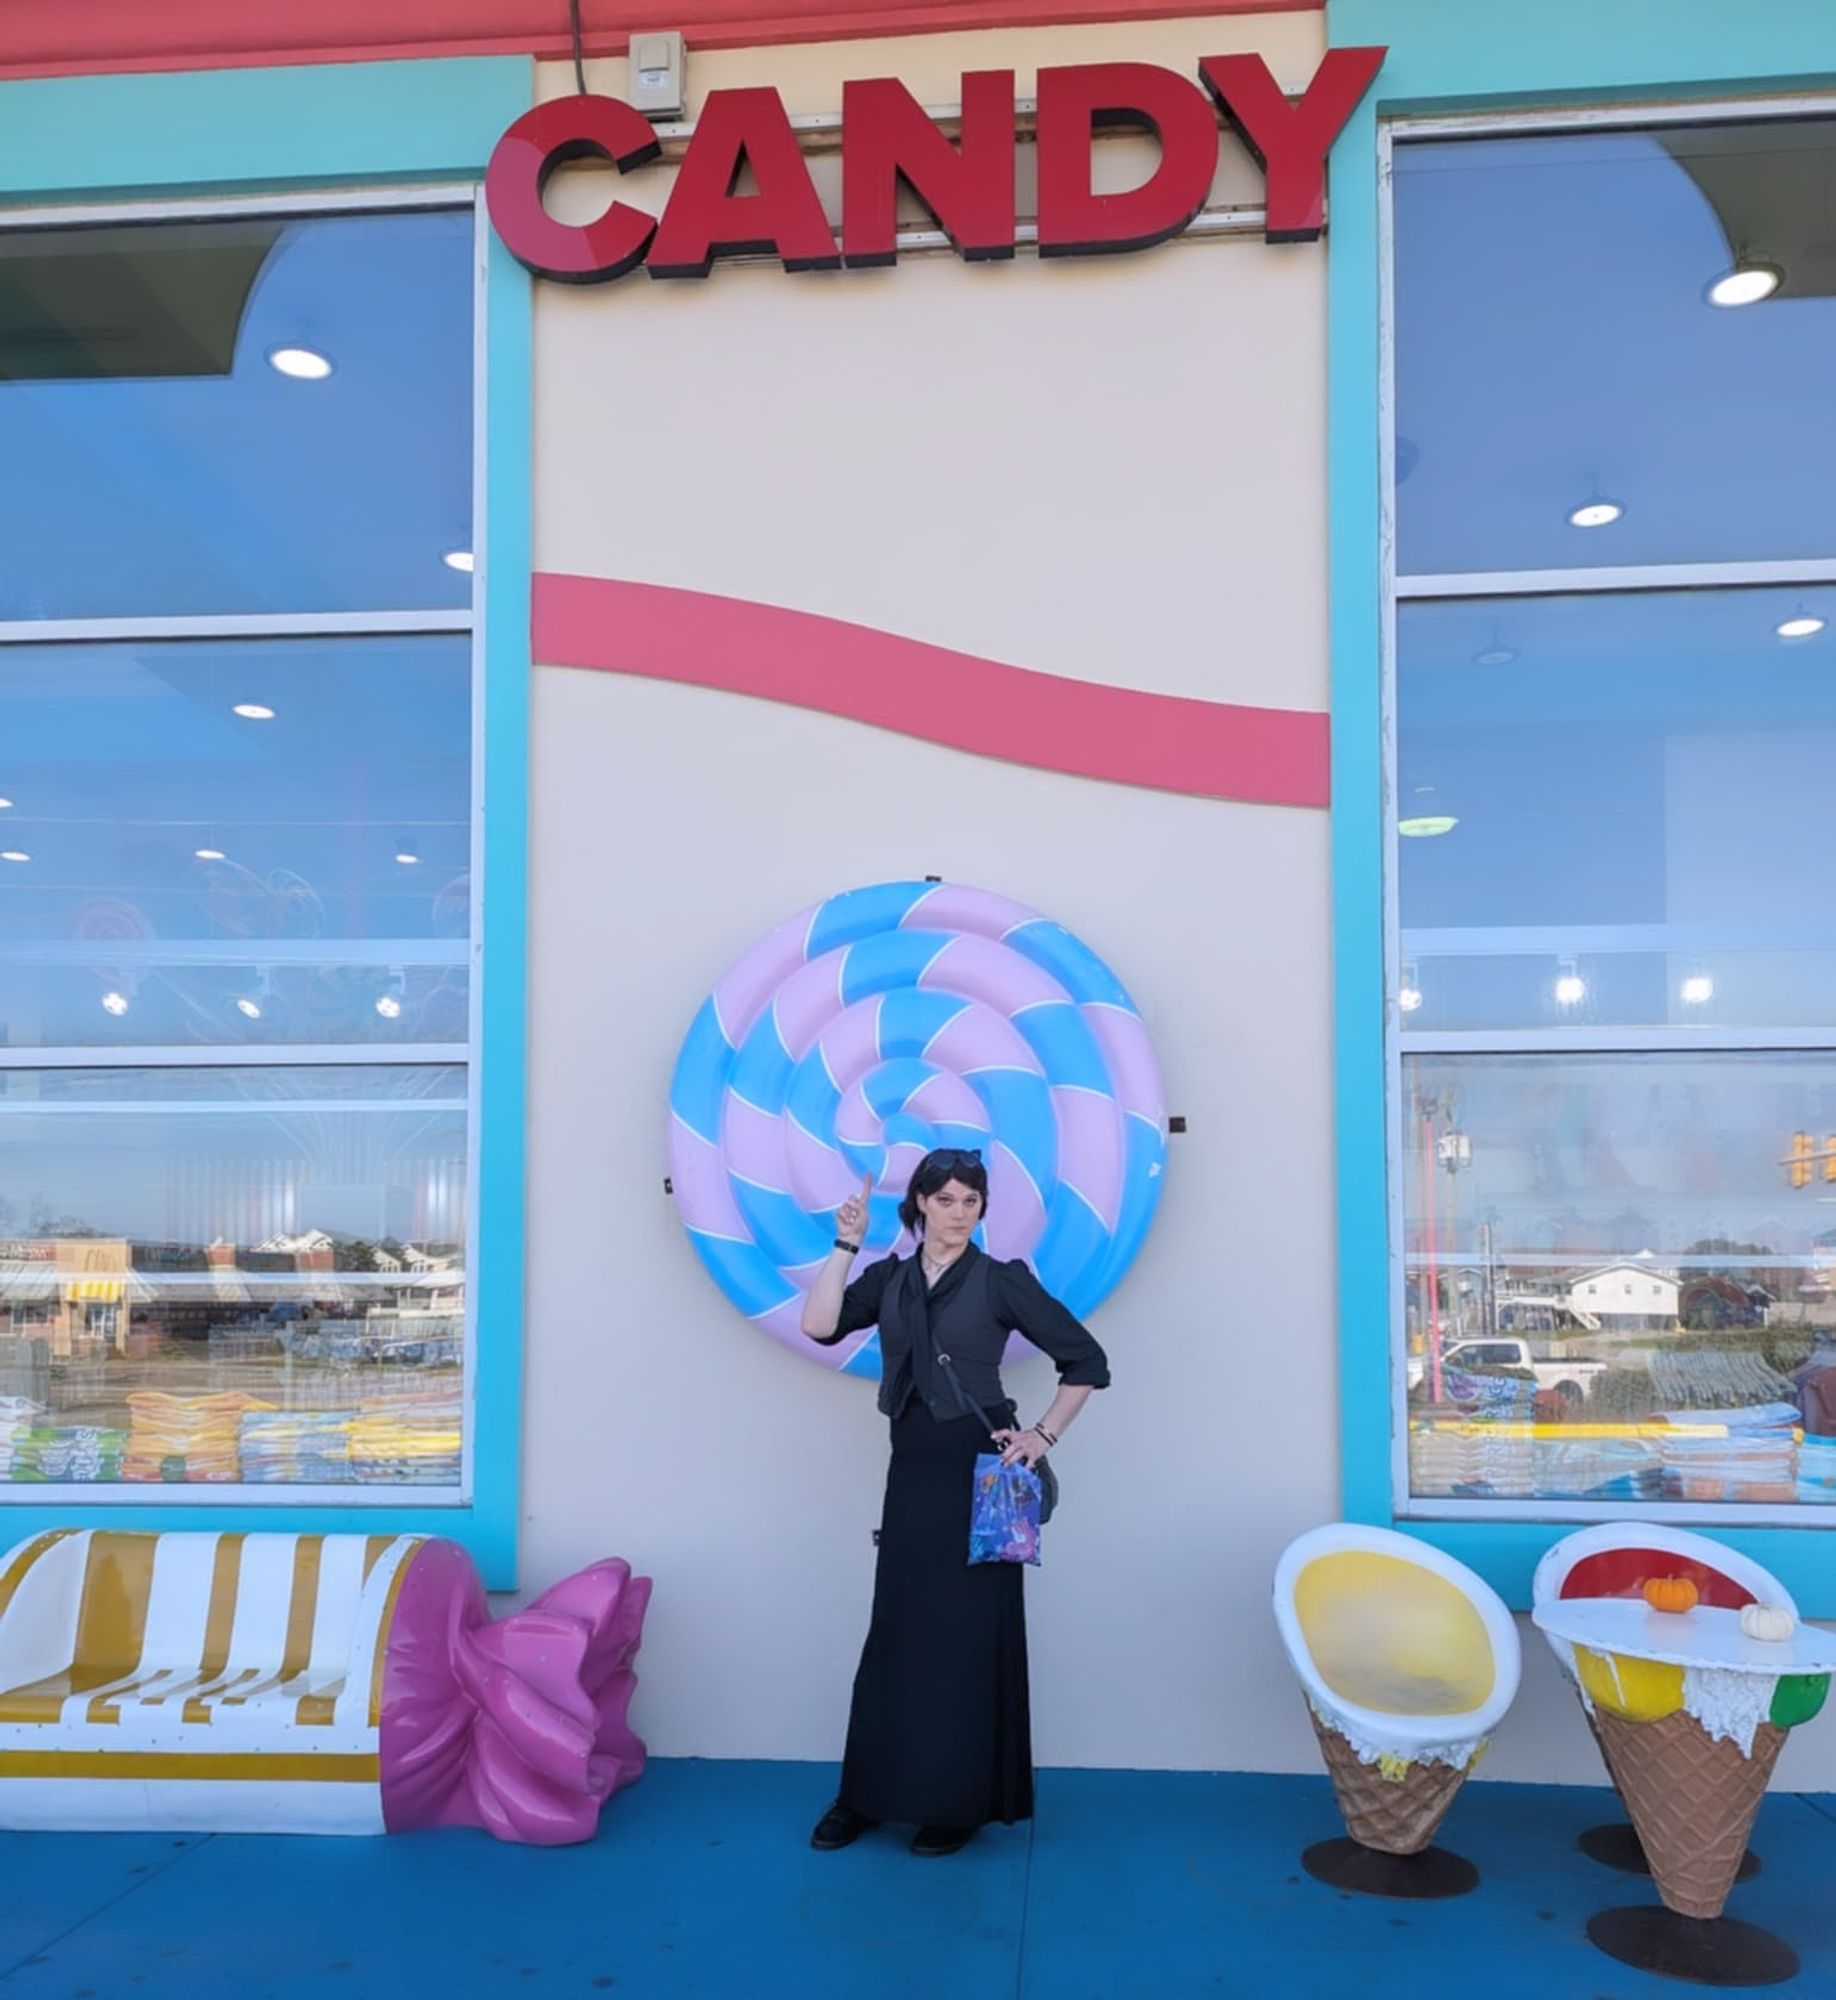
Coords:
1697,989
1494,655
406,852
1424,826
1598,512
248,1008
253,711
1745,285
208,853
115,1003
1800,625
459,559
14,854
1408,998
300,364
388,1006
6,805
1570,988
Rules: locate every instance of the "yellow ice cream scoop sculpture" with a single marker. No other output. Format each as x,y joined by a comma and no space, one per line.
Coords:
1408,1661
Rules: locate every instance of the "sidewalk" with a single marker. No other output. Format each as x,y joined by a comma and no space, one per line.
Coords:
1130,1886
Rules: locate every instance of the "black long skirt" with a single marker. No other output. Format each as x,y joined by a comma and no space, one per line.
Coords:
940,1733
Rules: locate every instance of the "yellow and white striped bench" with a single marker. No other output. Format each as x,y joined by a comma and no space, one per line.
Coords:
195,1680
257,1683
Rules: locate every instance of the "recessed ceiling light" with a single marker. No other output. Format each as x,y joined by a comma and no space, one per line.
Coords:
251,1009
1570,989
301,364
253,711
388,1006
14,854
1698,988
115,1003
459,559
1595,514
1426,825
1409,998
1745,285
1802,626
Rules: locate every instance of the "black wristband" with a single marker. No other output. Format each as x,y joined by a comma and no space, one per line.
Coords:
853,1249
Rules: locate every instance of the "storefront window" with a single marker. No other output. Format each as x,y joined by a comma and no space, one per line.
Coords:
228,879
1559,343
236,905
1613,1290
1614,714
253,415
1637,785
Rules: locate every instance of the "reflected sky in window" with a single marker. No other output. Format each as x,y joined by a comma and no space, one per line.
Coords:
1555,345
159,462
1639,787
190,874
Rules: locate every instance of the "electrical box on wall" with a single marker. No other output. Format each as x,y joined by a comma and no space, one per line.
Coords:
655,84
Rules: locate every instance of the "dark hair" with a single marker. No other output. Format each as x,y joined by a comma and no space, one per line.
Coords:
936,1170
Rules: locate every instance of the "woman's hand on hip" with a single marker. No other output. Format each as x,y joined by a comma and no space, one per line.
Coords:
1020,1447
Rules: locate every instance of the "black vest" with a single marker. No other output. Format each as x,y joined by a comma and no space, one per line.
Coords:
964,1327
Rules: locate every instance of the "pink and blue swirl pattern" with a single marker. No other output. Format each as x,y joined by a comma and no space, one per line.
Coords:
883,1023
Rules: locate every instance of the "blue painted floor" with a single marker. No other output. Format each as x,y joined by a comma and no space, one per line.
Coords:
1129,1886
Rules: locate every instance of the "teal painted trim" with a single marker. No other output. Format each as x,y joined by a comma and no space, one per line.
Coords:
1356,608
1452,54
64,138
500,953
341,125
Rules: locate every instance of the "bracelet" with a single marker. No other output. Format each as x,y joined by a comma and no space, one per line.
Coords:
1041,1431
853,1249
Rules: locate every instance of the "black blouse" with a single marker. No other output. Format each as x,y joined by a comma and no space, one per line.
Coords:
1007,1298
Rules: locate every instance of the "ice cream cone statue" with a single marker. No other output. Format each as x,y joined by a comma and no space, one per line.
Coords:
1408,1662
1692,1682
1618,1560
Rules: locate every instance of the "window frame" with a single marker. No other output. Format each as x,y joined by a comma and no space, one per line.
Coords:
331,140
1396,588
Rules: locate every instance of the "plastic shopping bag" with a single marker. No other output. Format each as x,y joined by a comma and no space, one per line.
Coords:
1004,1512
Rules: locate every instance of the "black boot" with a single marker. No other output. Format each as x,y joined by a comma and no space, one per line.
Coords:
935,1840
840,1826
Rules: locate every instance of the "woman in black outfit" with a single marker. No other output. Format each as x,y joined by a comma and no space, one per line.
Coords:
939,1734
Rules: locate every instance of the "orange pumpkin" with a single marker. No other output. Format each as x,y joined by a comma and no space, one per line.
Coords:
1670,1593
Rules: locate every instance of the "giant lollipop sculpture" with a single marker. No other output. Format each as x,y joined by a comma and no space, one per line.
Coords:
883,1023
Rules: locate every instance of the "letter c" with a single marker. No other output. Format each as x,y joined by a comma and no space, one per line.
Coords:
524,159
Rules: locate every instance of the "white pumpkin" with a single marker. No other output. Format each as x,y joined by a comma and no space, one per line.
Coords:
1771,1623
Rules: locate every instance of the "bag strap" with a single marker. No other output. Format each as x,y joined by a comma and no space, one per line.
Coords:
964,1401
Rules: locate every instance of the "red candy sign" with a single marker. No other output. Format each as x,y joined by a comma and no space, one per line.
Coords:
966,183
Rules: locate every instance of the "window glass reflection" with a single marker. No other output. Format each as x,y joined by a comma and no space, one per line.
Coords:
1613,810
1621,1277
1559,347
232,1276
250,415
235,841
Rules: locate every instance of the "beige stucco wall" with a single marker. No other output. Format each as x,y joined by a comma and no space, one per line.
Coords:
1113,470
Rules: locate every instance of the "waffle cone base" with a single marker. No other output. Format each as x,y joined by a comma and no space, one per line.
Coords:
1693,1800
1393,1815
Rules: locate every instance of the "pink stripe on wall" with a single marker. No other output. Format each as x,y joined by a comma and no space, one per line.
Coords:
1163,742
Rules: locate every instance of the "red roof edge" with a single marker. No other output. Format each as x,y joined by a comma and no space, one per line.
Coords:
97,37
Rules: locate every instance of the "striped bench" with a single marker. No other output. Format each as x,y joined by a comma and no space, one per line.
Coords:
294,1683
